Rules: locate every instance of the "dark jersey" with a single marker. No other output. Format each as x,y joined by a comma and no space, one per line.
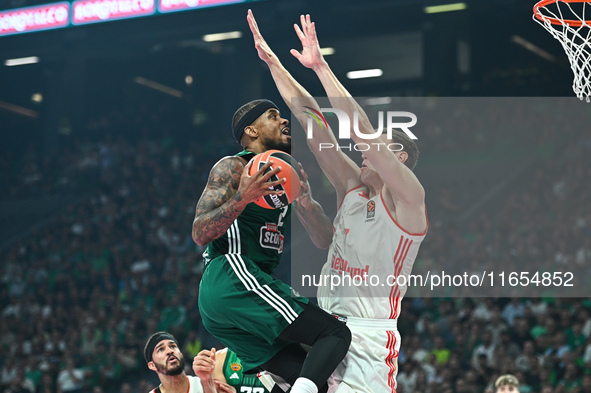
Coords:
257,233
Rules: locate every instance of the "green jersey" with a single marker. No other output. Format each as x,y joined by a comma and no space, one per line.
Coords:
241,304
248,383
257,233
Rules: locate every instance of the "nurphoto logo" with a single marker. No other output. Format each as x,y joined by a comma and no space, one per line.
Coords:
395,120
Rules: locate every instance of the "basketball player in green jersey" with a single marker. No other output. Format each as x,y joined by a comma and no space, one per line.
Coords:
241,304
228,369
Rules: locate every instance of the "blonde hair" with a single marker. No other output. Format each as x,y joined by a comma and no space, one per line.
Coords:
507,379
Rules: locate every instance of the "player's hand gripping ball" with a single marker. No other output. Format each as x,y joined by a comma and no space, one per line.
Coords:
289,170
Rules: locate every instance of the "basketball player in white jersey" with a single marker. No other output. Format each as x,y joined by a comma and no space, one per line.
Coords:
163,356
380,223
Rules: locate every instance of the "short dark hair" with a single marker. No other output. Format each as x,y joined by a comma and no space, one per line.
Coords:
409,146
239,114
153,341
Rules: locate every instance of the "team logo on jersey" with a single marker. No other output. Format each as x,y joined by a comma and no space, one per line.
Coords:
271,237
342,266
235,366
371,209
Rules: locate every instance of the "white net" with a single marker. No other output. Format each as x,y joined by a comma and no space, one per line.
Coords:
574,34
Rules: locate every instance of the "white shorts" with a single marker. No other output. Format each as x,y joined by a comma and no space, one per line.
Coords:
371,364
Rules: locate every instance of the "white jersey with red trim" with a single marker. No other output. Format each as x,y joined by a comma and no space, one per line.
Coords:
369,250
195,385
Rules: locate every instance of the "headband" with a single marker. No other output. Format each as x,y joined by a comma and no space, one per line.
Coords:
153,341
250,116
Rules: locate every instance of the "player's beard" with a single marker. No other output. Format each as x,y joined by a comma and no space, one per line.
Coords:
279,144
174,370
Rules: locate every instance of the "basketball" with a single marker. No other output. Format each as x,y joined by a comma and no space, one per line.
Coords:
289,170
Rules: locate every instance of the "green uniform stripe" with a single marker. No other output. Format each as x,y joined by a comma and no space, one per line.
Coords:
251,283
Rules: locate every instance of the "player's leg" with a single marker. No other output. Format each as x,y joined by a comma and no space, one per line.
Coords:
328,338
256,316
287,364
243,310
371,364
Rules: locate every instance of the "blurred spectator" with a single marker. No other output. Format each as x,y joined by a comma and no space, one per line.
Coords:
20,384
48,384
407,378
192,344
485,348
440,351
70,379
555,353
528,360
586,384
495,325
513,309
521,332
571,381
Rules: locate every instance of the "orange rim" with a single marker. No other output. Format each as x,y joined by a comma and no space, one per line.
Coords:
556,21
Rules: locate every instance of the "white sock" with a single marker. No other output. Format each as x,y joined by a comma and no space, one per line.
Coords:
304,385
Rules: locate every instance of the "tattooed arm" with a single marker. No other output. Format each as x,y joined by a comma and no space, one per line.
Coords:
229,189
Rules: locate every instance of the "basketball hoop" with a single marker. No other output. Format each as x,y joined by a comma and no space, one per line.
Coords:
566,21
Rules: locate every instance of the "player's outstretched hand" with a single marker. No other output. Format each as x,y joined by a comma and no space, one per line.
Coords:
310,56
204,363
263,49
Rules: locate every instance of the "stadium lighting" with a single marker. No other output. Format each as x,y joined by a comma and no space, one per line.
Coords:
373,73
378,101
230,35
532,48
434,9
158,86
21,61
37,97
18,109
327,51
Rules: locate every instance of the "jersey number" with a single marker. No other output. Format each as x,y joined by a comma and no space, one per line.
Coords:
282,216
248,389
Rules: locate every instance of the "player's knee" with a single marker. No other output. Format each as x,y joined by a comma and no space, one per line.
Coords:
342,333
346,334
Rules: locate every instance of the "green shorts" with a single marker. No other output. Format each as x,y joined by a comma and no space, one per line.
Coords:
245,308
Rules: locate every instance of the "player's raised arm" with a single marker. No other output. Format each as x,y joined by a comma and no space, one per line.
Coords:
229,189
402,187
342,172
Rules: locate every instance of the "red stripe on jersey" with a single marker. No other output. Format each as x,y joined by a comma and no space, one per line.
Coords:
398,263
394,284
395,296
388,363
390,360
392,293
398,272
